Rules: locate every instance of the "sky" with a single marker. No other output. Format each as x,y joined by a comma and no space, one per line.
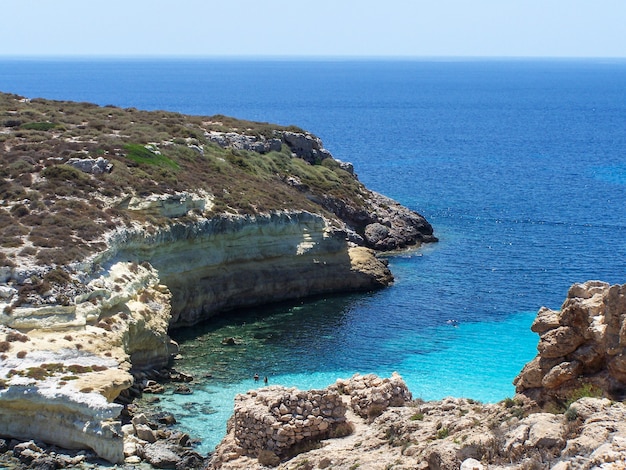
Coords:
314,28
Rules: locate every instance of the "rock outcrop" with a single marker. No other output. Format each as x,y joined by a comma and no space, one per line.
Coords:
582,347
376,221
443,435
94,166
279,420
58,383
239,141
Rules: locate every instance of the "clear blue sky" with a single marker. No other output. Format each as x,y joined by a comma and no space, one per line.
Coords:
513,28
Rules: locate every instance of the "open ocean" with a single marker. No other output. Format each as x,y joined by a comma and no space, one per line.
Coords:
520,166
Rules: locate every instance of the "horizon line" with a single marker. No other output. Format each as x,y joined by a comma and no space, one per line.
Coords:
312,58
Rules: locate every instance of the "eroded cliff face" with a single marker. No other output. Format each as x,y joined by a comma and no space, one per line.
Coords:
213,265
76,359
58,381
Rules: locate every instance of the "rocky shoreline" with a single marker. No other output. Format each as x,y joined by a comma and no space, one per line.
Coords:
118,225
375,423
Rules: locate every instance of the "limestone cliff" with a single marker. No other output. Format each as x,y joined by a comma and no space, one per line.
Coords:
58,382
213,265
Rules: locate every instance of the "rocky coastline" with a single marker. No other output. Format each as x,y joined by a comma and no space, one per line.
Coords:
372,422
119,225
115,231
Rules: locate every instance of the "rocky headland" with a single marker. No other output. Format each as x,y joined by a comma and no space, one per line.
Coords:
117,225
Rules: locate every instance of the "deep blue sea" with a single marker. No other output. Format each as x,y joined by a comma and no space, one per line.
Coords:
520,166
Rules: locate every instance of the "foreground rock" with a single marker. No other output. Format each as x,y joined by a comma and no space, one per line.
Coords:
582,347
58,382
361,422
443,435
277,422
148,443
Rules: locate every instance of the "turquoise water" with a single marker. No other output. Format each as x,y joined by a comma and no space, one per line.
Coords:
311,344
519,165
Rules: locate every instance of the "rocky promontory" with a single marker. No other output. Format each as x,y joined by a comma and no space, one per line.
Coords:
117,225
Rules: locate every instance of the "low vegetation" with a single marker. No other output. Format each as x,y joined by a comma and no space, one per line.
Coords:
52,213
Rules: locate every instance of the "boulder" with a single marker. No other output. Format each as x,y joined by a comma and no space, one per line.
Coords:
306,146
559,342
471,464
161,455
95,166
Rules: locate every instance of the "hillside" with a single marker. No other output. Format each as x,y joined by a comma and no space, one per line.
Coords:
54,213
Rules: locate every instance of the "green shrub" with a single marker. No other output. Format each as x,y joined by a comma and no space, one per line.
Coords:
268,458
443,433
57,276
305,445
53,367
142,155
4,261
508,402
375,410
37,373
66,173
585,390
20,210
571,414
78,369
13,336
341,430
38,126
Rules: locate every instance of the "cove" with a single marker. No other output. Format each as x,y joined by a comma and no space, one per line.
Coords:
310,344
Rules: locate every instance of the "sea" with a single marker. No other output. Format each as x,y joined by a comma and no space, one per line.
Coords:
519,164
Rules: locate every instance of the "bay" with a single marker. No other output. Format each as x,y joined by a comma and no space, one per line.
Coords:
520,166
